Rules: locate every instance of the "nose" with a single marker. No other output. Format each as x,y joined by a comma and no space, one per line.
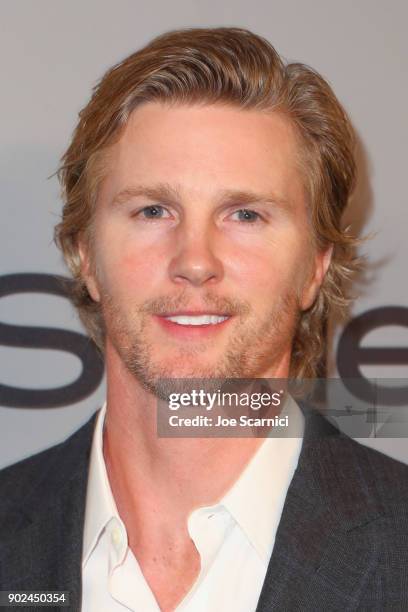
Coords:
197,260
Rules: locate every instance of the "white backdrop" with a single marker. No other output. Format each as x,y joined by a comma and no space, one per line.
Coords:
52,53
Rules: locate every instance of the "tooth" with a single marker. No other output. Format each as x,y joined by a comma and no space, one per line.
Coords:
197,319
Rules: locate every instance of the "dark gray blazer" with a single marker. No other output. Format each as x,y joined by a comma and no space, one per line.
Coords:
342,542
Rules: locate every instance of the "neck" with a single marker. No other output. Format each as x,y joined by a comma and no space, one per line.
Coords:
174,474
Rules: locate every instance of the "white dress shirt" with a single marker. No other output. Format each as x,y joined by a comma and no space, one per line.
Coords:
234,537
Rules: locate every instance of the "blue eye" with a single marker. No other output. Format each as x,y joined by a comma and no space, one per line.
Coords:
153,212
249,216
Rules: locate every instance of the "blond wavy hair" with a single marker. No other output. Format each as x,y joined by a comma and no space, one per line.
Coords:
237,67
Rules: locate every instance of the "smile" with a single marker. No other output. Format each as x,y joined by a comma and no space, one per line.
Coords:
193,326
204,319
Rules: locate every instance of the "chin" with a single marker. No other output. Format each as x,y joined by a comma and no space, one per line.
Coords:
190,369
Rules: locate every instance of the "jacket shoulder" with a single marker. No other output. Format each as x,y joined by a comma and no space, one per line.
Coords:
345,465
385,476
355,478
44,471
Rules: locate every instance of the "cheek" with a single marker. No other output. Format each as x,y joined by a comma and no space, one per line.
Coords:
137,265
123,266
268,269
130,271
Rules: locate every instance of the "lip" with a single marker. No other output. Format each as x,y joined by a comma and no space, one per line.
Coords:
191,331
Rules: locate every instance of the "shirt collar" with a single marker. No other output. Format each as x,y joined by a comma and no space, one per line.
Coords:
255,501
100,504
257,497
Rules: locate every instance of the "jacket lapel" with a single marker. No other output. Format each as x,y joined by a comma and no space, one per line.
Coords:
324,550
44,547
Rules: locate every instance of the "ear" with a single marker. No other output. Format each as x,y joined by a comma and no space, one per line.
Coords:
87,270
321,262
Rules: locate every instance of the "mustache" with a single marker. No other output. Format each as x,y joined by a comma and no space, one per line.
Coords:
165,303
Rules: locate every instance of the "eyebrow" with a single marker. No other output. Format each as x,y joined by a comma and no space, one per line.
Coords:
163,192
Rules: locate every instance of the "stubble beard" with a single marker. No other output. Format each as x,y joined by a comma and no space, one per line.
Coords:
252,349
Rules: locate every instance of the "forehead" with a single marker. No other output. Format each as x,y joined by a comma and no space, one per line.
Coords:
203,149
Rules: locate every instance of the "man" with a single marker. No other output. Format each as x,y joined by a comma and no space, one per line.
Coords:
204,188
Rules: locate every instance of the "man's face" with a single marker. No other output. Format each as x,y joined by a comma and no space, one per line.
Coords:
202,247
